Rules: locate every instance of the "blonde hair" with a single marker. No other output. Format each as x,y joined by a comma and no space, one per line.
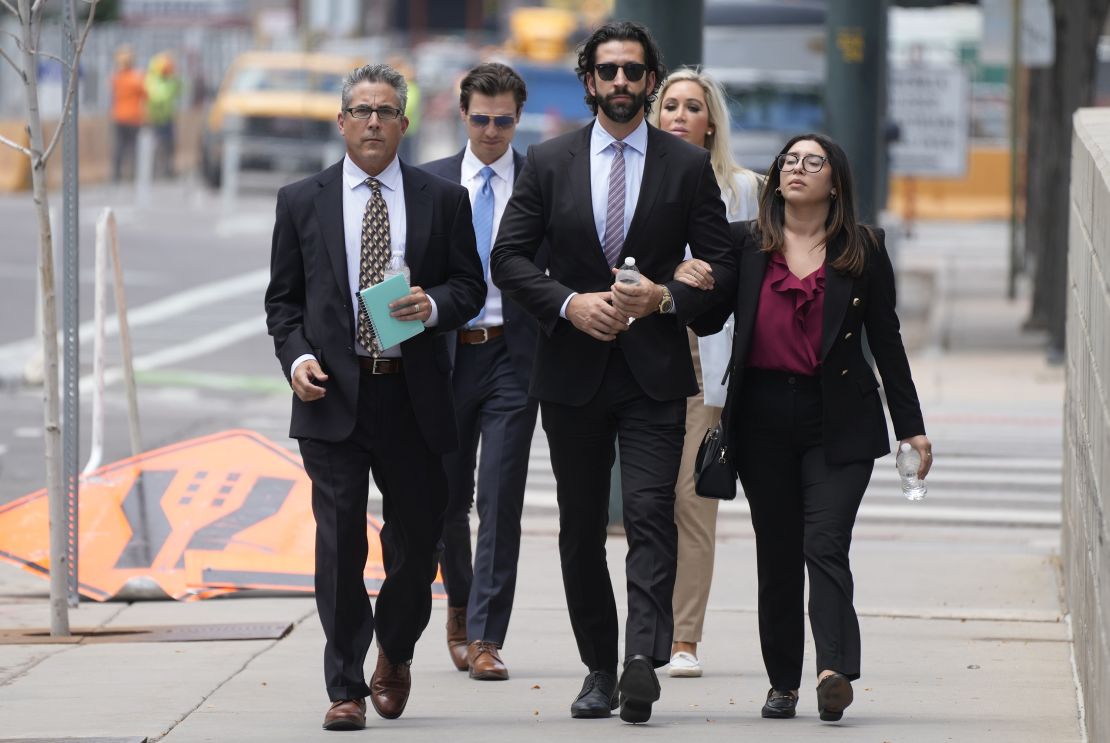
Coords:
720,153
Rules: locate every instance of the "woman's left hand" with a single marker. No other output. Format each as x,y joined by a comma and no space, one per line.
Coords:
696,273
924,448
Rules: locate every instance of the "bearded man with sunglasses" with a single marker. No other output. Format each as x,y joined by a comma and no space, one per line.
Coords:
359,409
613,362
492,365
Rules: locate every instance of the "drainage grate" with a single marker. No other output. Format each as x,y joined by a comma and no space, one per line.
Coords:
157,633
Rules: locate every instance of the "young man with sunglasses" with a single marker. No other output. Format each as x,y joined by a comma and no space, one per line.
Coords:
358,409
613,362
492,365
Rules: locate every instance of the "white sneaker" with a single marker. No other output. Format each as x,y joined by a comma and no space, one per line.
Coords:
684,665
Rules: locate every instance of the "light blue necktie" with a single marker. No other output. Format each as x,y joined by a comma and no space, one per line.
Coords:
483,224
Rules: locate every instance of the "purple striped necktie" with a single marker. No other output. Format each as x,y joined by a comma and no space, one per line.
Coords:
614,210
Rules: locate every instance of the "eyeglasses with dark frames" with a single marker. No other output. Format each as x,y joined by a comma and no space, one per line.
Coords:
788,162
385,113
607,71
482,120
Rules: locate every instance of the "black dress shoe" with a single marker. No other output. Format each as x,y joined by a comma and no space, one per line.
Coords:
639,688
598,697
834,693
780,705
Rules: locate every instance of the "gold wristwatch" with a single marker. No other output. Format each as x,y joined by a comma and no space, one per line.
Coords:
666,304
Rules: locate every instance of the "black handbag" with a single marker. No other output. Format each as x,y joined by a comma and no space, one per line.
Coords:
714,475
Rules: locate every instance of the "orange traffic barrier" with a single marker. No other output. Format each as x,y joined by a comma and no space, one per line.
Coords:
198,518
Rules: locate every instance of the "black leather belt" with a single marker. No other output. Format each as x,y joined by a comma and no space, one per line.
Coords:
380,366
472,336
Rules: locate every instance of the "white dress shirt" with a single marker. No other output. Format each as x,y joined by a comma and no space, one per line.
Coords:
356,194
502,184
601,162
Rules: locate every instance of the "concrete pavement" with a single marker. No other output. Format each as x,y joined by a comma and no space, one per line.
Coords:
964,635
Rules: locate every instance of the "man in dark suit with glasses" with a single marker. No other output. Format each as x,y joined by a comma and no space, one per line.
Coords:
360,409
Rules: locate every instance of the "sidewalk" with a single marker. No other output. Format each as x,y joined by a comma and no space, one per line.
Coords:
964,636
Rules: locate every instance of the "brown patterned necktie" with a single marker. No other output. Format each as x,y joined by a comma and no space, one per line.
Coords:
373,258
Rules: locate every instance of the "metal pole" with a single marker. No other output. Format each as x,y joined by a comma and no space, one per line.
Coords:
855,93
1015,113
125,340
71,405
96,447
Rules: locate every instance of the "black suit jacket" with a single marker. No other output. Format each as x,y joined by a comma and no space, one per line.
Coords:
679,203
520,327
853,424
308,301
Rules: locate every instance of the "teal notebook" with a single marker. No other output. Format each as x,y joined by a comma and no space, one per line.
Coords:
375,303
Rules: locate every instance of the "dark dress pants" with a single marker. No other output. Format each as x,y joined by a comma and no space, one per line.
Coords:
803,510
491,406
581,439
387,442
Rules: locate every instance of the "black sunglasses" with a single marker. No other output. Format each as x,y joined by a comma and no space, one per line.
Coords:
385,113
482,120
607,71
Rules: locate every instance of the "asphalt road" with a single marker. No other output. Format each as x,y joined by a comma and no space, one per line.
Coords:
194,275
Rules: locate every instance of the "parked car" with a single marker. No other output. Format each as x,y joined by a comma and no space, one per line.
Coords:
284,107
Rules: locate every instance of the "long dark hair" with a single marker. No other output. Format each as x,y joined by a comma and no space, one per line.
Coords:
621,31
842,231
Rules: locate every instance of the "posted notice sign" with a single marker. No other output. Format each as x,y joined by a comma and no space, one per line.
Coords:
930,107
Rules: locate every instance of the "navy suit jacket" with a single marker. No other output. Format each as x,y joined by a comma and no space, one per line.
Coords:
520,327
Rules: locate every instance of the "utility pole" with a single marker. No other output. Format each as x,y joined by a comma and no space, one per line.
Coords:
855,94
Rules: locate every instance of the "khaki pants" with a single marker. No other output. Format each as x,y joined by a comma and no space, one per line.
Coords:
696,519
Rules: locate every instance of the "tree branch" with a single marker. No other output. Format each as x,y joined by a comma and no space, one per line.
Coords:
15,145
9,60
54,57
11,8
71,91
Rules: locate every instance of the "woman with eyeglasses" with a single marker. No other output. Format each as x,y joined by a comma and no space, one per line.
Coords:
692,107
804,418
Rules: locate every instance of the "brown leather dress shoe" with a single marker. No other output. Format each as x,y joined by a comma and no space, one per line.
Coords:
485,662
346,714
456,636
389,687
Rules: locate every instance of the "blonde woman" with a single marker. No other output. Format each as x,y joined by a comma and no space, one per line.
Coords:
692,106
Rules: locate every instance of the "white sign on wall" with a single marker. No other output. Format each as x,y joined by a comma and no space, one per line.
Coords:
930,107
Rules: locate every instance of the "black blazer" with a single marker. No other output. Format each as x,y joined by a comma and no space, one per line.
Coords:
854,426
308,301
679,203
520,327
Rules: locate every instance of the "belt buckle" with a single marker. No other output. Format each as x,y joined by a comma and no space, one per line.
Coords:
485,334
374,368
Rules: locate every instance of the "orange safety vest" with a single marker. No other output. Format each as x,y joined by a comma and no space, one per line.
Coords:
128,98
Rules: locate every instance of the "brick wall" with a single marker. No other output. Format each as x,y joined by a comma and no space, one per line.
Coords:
1086,498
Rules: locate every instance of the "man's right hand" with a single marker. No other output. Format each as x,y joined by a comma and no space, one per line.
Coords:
305,376
595,316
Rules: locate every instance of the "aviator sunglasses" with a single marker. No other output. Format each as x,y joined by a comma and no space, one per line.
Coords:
607,71
482,120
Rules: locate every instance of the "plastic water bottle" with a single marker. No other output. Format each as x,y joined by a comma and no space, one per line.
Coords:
629,273
909,461
396,266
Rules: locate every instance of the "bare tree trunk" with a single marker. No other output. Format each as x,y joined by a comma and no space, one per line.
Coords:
1036,207
52,439
1070,86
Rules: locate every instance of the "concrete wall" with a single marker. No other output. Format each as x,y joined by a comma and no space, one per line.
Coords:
1086,506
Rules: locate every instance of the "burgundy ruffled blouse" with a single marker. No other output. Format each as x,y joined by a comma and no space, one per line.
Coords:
787,333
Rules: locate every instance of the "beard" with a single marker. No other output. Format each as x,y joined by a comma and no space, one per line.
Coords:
622,113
